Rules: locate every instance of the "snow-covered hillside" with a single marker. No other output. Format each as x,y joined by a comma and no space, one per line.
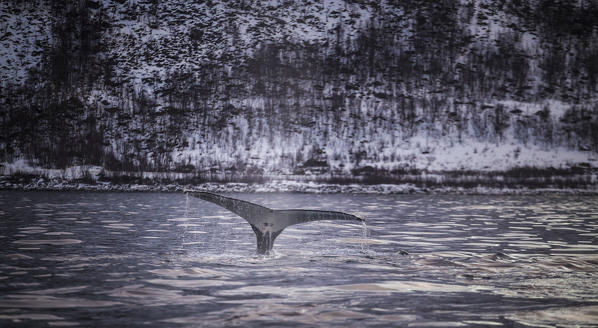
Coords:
277,87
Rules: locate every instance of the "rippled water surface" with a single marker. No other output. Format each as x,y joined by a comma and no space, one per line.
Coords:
151,259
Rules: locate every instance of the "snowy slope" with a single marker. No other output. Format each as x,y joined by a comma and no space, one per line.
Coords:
281,87
22,42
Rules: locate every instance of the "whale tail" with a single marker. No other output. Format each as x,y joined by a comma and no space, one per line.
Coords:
267,224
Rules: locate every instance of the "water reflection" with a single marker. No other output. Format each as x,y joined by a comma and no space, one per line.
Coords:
112,259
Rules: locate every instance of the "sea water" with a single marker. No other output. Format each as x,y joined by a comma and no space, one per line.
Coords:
159,259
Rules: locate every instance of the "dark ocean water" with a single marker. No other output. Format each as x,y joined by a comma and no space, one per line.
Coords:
152,259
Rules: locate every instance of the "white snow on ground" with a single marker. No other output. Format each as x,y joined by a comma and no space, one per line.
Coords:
70,173
384,150
472,155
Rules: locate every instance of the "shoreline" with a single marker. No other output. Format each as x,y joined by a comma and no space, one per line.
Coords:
287,187
515,181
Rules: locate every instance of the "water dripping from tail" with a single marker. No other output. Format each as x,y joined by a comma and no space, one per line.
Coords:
186,236
186,205
364,237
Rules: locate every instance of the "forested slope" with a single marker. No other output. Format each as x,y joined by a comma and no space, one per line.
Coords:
296,87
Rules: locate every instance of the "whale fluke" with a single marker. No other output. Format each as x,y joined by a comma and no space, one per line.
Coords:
268,223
